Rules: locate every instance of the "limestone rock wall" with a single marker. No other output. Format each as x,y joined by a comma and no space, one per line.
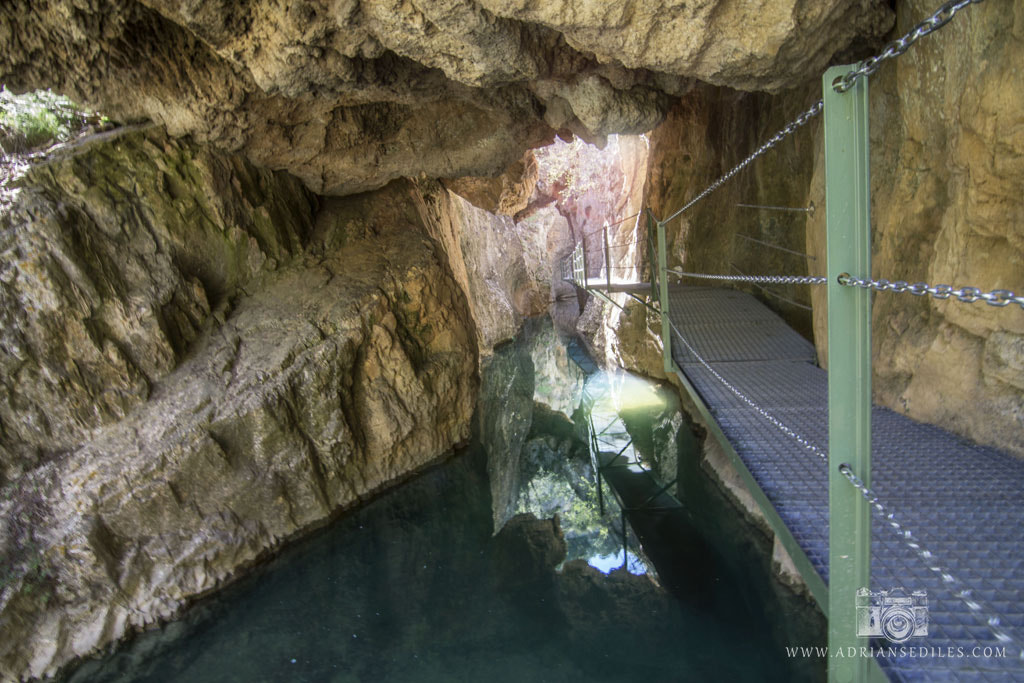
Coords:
946,208
948,205
486,253
255,362
349,95
113,262
507,194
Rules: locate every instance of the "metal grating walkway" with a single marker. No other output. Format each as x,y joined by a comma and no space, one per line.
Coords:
964,502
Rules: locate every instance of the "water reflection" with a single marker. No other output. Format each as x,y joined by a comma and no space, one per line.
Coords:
609,563
417,586
556,470
558,479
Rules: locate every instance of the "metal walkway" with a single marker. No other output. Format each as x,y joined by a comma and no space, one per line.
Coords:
964,502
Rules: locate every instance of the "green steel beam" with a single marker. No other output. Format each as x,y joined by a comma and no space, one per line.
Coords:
848,206
815,584
652,255
666,331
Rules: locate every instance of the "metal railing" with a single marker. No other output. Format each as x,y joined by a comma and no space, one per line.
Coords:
844,104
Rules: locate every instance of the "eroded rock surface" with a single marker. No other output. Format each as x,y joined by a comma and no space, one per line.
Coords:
507,194
349,95
486,256
345,360
113,260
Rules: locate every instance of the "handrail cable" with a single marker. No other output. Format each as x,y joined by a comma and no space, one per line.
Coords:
798,209
775,246
776,295
610,225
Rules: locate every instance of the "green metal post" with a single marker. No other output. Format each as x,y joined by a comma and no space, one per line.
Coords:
583,263
652,255
666,331
607,261
848,203
583,251
582,256
625,539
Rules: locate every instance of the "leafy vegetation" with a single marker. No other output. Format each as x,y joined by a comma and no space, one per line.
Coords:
568,170
39,119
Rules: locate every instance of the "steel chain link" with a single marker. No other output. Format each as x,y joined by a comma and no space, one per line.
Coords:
775,139
767,279
955,585
997,297
940,18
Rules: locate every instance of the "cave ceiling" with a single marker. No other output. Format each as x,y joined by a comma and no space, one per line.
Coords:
348,95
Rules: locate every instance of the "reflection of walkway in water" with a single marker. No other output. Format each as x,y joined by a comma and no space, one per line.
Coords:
636,493
555,468
671,538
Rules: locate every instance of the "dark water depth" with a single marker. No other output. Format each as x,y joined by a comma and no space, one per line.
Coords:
416,586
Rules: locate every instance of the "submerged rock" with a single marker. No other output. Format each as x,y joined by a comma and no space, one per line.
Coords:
527,549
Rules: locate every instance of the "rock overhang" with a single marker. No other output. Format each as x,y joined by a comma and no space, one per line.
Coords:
349,95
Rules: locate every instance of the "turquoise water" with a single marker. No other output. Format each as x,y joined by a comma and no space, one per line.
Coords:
416,586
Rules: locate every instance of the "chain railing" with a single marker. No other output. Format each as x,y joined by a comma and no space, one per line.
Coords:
957,587
940,18
765,279
906,535
996,297
770,293
776,422
965,294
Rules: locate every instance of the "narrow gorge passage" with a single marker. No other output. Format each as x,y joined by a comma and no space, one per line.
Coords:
302,321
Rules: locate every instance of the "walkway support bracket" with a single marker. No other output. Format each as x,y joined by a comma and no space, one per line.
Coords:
607,260
583,251
848,215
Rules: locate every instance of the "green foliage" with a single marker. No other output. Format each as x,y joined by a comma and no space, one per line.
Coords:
570,169
39,119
